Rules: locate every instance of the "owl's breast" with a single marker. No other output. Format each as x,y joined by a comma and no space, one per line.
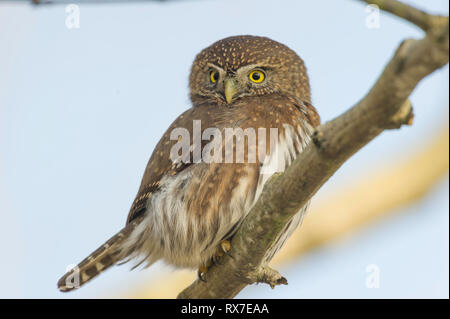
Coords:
205,202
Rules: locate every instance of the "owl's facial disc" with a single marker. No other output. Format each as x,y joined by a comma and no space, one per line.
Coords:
230,86
259,66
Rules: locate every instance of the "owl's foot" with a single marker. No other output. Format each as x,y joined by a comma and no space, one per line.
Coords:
225,245
223,248
202,270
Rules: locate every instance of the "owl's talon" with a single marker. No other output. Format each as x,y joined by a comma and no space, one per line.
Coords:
225,245
216,258
201,272
200,276
229,255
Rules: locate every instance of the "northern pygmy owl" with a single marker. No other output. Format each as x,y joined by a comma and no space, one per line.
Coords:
187,208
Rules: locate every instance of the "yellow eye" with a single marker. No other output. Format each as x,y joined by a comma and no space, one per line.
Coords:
257,76
214,76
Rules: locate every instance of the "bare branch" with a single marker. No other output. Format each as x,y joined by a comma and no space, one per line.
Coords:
423,20
386,106
50,2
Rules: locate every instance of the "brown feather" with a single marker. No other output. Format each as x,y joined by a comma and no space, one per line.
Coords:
101,259
182,210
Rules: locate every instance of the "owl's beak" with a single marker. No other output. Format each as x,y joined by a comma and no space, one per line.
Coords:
230,89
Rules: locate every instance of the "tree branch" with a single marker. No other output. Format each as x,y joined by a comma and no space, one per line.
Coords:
381,192
418,17
386,106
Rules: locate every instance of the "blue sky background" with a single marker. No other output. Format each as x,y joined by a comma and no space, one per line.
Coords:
82,109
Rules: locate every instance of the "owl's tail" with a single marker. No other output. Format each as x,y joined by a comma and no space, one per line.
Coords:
101,259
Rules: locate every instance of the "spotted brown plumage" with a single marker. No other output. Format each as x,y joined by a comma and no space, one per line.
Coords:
183,211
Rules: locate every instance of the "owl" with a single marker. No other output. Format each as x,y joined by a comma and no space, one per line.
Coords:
251,116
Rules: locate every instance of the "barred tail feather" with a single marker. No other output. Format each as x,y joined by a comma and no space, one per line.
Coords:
101,259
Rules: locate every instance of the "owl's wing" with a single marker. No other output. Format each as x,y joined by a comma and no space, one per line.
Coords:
158,166
312,116
160,163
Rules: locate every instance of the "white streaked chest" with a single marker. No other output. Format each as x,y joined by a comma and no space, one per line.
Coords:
288,146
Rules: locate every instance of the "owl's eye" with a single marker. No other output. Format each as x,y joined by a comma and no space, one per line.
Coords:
214,76
257,76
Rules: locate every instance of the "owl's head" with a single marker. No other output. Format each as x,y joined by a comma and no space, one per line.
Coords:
242,66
